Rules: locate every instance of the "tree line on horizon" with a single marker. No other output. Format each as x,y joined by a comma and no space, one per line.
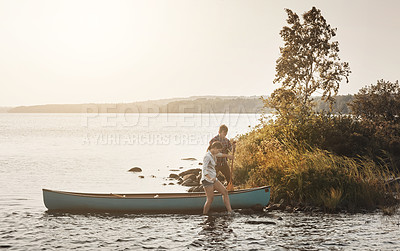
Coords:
197,105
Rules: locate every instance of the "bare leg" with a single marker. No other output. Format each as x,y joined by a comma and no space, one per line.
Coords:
210,197
220,188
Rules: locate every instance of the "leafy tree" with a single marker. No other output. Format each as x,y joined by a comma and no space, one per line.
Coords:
377,108
378,103
309,62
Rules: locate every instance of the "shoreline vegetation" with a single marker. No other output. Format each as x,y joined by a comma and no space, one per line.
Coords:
309,178
333,162
205,104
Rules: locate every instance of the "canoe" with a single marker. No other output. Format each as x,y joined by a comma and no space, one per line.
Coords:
151,202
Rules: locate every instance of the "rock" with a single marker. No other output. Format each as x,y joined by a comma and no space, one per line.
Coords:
153,176
189,176
192,159
272,207
196,189
174,176
171,184
180,181
253,222
317,210
199,189
246,211
258,208
189,183
190,171
307,208
164,184
142,177
289,209
392,183
200,164
135,169
393,180
282,206
278,206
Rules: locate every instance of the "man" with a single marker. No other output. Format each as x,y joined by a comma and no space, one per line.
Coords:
222,162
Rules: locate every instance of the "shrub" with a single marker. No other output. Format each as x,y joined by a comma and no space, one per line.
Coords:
303,174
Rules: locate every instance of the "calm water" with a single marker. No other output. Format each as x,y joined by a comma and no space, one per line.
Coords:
79,152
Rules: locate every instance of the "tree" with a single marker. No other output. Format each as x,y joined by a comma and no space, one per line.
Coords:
378,103
377,108
309,62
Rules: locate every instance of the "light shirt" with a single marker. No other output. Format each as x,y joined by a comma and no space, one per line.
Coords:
209,163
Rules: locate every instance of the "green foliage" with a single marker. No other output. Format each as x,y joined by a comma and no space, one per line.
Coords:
311,176
377,108
323,160
308,62
378,103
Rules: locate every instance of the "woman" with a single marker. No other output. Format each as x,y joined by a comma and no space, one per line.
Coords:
209,177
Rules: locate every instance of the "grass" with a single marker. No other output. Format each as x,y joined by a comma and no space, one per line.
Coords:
308,175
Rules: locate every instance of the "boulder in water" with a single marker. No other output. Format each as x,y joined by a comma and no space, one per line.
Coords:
192,159
135,169
189,183
190,176
174,176
194,171
195,189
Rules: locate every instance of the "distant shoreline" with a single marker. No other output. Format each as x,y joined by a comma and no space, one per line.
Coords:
197,104
212,104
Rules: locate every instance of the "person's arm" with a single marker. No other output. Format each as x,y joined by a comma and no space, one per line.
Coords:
223,155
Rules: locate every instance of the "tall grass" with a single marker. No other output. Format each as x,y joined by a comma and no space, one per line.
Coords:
299,173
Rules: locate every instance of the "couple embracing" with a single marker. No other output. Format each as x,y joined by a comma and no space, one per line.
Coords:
214,161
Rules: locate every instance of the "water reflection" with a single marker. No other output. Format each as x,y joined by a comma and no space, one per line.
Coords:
216,232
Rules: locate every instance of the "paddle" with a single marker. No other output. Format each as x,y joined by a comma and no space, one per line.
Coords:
230,184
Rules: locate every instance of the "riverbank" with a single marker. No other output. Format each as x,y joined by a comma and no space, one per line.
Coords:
307,178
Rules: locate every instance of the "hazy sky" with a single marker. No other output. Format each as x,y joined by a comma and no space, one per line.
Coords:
124,51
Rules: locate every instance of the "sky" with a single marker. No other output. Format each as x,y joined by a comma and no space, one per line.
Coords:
81,51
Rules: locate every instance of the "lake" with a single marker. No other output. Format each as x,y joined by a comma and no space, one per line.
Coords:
93,153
